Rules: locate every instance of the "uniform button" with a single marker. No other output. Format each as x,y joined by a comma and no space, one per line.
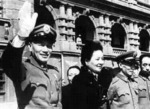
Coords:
37,84
104,97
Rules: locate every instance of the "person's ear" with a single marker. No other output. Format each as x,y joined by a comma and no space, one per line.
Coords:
120,65
30,47
86,62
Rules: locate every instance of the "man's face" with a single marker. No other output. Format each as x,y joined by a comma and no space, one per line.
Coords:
72,73
145,64
41,51
127,69
96,62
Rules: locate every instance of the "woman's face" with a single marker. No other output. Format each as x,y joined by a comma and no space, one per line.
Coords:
96,62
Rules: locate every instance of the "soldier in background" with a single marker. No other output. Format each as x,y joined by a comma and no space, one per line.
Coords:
37,84
123,90
72,72
66,90
144,81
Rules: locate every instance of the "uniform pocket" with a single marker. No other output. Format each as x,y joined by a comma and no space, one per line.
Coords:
124,96
38,82
142,91
40,85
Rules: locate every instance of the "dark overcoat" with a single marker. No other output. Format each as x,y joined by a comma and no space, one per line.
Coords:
87,92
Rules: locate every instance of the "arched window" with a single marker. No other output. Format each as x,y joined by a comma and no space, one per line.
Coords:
144,40
118,36
84,28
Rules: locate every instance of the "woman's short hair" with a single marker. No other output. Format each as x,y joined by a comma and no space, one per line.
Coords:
88,49
143,56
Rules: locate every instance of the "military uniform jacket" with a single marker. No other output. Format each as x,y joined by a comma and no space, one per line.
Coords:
122,93
144,92
36,87
87,93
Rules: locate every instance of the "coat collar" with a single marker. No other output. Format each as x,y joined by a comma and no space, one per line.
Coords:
33,61
144,76
87,76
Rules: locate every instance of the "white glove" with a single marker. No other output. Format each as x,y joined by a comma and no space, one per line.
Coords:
26,20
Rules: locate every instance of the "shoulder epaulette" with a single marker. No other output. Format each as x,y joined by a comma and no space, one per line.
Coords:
52,67
55,72
115,79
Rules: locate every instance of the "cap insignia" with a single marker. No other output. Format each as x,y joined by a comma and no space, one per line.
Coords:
46,29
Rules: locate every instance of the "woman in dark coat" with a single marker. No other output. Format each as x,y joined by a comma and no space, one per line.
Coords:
87,92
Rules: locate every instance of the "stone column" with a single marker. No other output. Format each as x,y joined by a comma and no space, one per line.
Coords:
62,25
107,47
101,30
133,37
70,29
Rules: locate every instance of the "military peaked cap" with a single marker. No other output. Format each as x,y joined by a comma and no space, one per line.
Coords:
128,57
43,31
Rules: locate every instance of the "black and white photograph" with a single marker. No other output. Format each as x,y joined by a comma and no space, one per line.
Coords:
74,54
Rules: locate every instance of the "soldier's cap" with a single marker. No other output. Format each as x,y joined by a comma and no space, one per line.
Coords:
128,58
43,31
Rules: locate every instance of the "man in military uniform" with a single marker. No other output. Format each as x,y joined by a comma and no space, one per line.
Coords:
123,90
144,81
37,84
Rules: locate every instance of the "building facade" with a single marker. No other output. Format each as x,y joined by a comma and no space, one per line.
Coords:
120,26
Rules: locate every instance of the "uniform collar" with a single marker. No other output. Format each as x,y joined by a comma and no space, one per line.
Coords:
144,76
36,64
122,76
